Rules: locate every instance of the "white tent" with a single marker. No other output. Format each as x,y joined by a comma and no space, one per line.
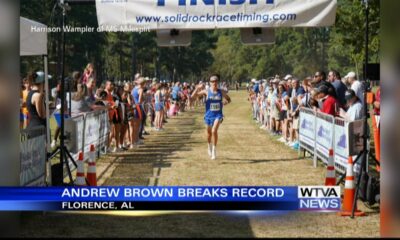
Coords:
33,38
33,42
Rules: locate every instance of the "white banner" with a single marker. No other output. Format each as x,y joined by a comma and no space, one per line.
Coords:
133,15
33,157
324,136
307,127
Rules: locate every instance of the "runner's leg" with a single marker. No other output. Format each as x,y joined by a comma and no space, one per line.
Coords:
215,127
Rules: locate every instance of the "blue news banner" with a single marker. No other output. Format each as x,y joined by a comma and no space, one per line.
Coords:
218,198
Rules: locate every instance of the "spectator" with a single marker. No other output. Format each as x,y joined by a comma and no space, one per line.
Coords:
101,98
114,119
304,101
320,79
88,73
270,95
356,85
76,79
35,101
138,96
282,106
80,103
355,107
297,92
276,107
340,87
327,103
122,115
91,89
26,88
132,116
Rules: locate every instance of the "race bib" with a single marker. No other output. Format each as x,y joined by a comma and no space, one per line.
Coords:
215,106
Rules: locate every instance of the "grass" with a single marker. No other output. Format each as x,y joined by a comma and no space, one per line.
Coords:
246,156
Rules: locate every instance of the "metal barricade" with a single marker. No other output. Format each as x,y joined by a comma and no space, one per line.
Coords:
74,130
104,131
96,130
33,156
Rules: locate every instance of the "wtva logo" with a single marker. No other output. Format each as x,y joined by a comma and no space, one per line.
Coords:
213,2
319,198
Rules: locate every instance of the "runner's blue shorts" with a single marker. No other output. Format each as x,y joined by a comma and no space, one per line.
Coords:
209,121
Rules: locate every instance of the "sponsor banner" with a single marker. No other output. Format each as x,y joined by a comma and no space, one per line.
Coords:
131,15
307,127
33,157
324,135
341,140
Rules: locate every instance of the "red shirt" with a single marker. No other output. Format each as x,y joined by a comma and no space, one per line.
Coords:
329,106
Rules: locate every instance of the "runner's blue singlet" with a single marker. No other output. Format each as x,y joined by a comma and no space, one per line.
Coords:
213,107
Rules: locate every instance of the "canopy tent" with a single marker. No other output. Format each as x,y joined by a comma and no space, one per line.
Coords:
33,38
33,42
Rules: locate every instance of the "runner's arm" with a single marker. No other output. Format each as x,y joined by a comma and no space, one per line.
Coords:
226,96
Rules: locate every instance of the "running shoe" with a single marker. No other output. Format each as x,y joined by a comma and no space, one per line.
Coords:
214,153
282,139
146,133
296,146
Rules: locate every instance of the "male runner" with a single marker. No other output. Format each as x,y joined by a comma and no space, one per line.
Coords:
213,116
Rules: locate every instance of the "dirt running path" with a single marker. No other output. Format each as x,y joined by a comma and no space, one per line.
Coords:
246,155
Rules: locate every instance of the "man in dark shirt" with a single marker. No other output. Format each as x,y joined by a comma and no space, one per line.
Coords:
340,87
320,79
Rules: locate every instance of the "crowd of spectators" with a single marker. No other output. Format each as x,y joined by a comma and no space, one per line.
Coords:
276,102
131,105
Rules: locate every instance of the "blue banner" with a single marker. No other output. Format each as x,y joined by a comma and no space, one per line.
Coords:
149,198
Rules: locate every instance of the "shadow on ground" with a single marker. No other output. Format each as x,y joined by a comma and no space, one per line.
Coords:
174,225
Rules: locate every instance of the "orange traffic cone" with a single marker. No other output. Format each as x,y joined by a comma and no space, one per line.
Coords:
349,193
91,173
80,172
330,179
